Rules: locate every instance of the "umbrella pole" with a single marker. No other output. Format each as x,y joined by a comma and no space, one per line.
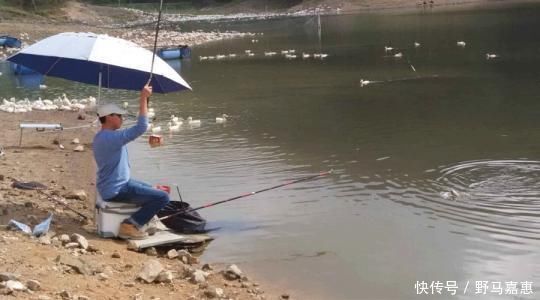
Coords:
155,39
99,89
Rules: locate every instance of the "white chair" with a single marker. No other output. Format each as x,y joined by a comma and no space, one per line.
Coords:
109,215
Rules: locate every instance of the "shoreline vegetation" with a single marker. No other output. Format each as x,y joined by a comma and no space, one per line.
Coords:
102,268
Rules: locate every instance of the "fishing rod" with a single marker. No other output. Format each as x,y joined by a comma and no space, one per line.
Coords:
249,194
49,197
155,46
155,39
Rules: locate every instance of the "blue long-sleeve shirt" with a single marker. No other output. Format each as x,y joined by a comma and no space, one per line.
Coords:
111,155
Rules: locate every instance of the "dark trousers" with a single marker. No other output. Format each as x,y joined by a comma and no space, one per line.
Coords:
150,199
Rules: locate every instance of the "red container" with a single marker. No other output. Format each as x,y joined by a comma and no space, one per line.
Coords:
155,140
164,188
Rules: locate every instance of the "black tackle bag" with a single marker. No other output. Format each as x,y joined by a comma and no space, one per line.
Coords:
186,222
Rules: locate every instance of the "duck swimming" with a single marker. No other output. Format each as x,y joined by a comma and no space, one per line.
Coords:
222,119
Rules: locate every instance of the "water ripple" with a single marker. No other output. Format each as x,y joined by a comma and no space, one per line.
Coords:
499,197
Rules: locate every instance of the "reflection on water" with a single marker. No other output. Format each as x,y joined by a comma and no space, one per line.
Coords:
435,168
29,81
427,126
176,64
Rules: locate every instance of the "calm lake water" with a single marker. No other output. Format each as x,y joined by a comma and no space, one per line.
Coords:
436,171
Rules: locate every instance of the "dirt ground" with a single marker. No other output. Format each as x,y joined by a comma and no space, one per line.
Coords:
63,171
39,159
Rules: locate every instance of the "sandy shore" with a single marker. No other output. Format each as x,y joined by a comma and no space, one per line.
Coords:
64,171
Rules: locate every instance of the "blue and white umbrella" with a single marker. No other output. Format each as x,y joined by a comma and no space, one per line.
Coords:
101,60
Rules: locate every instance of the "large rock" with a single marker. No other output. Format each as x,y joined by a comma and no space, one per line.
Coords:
233,272
150,271
198,276
65,295
33,285
44,240
79,148
185,271
77,264
64,238
151,251
187,258
172,254
132,245
81,240
165,276
210,293
207,267
77,194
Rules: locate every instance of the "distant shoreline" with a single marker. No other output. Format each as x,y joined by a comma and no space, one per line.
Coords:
101,19
407,6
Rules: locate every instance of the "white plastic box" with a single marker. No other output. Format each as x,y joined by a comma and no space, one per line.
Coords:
109,215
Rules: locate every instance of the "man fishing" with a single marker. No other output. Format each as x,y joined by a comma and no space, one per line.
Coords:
114,182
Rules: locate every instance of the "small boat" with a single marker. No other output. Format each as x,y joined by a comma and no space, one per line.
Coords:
182,51
10,42
21,70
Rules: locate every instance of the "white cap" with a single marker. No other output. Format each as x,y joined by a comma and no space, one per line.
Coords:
109,108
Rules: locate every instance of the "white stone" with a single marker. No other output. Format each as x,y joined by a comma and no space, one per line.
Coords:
172,254
198,276
44,240
13,285
233,272
187,258
150,270
81,240
165,276
77,194
219,292
64,238
71,245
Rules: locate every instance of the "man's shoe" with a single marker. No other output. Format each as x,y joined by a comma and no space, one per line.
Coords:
130,231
